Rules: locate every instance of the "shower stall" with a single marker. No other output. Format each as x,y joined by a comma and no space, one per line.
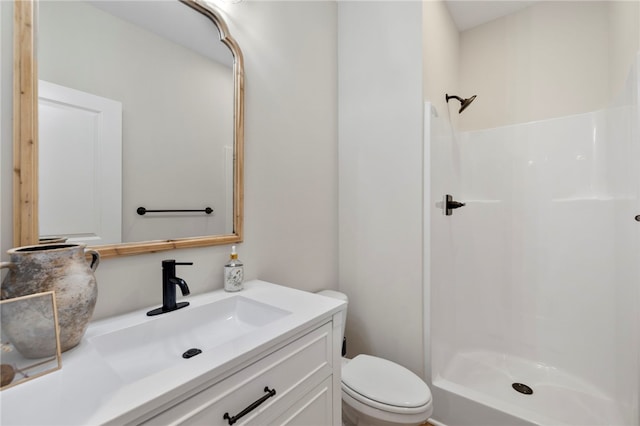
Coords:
532,288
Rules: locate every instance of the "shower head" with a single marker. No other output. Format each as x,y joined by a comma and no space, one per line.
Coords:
464,103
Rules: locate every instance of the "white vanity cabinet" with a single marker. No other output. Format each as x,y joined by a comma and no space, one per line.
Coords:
295,384
269,355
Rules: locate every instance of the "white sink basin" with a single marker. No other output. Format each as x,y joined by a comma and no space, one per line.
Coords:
143,349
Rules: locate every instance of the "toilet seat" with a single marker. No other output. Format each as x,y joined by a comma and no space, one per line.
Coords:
385,385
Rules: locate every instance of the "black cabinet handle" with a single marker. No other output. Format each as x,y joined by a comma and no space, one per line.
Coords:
253,406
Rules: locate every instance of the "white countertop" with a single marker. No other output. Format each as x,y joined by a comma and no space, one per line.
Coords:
87,391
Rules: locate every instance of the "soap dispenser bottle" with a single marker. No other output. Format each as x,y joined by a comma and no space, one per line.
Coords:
233,272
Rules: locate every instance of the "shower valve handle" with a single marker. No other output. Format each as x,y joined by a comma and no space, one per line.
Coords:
450,205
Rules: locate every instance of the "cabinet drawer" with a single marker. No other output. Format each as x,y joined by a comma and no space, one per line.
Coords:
295,368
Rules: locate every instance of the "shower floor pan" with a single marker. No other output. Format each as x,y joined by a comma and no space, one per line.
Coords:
557,399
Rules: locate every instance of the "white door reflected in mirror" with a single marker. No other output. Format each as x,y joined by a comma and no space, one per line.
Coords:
80,162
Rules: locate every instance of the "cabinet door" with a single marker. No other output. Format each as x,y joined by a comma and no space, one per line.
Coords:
313,409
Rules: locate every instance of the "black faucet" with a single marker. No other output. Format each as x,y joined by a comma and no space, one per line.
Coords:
169,283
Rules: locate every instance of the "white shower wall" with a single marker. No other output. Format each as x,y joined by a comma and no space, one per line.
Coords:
542,262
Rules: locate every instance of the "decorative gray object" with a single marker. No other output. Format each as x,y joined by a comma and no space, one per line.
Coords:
62,268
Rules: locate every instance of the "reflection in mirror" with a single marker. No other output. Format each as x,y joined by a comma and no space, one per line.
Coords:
141,79
140,105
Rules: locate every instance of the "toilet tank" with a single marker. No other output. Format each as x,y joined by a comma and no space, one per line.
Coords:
341,296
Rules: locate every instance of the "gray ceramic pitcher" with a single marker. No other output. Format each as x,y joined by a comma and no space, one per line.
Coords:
62,268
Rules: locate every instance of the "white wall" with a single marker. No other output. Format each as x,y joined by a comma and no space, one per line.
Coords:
291,163
542,62
380,168
549,60
624,41
441,57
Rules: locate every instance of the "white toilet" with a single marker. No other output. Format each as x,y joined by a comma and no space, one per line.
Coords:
379,392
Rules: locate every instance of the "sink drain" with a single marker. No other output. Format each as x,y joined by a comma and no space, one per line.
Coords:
191,353
522,388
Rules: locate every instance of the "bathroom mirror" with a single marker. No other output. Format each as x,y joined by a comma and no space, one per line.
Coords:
188,170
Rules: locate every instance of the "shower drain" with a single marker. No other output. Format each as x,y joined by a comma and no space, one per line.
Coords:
522,388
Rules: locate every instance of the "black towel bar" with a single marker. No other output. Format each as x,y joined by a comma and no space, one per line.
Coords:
142,211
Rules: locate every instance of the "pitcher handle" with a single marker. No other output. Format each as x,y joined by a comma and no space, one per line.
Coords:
95,259
7,265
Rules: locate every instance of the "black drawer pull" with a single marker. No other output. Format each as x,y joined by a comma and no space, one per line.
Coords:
232,420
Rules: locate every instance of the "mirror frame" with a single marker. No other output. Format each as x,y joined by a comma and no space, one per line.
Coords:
25,139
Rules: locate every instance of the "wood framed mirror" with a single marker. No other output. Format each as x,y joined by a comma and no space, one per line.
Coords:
26,191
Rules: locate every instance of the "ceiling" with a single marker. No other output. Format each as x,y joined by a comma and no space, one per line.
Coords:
470,13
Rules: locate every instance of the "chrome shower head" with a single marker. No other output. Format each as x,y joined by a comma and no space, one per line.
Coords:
464,103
